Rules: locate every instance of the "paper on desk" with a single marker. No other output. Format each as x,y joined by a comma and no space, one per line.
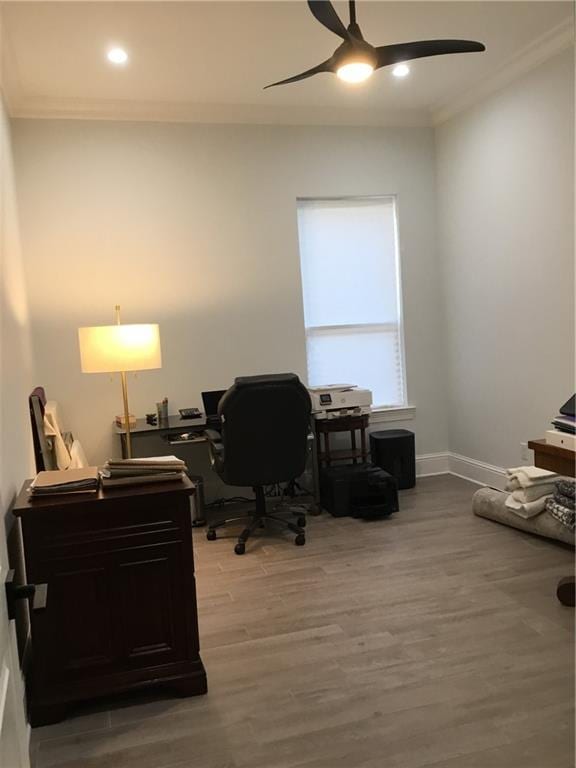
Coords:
155,460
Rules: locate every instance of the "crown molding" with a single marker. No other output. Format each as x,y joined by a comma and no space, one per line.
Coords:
42,108
540,50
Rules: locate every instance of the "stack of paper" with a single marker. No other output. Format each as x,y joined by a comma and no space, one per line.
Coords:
53,482
155,469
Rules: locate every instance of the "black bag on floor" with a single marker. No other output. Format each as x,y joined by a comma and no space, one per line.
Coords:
358,490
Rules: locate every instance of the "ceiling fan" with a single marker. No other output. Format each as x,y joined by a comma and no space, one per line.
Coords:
355,59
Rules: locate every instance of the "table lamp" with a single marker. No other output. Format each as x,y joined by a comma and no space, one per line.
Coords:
120,349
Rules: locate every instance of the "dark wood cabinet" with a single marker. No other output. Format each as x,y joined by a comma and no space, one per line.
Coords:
553,457
121,609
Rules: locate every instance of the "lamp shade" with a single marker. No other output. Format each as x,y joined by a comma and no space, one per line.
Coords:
113,348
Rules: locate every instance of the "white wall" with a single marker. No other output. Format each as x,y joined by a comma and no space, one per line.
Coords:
15,342
16,453
15,439
195,227
506,202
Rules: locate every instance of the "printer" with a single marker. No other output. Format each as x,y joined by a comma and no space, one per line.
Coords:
334,401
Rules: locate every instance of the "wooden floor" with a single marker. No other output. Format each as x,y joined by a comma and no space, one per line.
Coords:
430,639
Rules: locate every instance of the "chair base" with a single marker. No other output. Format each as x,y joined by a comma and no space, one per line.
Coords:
258,520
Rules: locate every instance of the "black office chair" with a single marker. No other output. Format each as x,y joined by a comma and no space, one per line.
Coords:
265,425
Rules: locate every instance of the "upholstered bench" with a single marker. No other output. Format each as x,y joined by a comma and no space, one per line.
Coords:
489,503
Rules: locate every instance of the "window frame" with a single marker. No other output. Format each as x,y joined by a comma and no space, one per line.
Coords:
317,330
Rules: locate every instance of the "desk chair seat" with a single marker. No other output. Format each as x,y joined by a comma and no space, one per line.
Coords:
265,423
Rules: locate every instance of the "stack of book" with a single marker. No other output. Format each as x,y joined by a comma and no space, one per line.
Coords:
155,469
55,482
564,433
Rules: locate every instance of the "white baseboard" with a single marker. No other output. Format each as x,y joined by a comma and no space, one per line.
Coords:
432,464
448,463
477,471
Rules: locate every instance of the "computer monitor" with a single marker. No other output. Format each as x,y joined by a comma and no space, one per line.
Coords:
210,402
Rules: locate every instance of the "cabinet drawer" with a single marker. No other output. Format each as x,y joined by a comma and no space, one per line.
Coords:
58,536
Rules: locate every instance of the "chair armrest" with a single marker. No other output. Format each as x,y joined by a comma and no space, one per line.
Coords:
212,436
215,447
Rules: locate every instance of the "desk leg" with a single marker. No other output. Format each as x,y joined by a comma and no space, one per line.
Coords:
315,475
327,448
200,502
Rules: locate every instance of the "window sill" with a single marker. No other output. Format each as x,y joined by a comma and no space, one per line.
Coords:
397,413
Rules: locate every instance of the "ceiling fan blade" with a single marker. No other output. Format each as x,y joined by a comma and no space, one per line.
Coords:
324,12
326,66
393,54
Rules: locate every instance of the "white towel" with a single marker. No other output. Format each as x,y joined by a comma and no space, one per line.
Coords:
526,510
526,495
52,429
533,473
527,477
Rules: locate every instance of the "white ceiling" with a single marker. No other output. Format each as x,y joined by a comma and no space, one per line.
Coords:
210,60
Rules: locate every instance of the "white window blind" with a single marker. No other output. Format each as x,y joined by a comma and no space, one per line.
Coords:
352,298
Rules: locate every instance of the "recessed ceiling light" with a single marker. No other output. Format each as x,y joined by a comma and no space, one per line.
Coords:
401,70
117,56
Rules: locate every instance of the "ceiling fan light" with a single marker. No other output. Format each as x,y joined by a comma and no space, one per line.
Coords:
355,71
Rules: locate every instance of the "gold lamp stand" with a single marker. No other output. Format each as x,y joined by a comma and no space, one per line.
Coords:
125,397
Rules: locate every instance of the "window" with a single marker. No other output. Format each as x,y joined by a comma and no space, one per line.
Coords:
352,299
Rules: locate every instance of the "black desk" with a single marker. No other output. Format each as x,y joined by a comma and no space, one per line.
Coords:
161,440
171,425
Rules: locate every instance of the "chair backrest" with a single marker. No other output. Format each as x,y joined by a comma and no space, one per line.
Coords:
42,450
265,425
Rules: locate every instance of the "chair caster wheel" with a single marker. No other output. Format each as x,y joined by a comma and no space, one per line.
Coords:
300,540
240,548
211,534
301,522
